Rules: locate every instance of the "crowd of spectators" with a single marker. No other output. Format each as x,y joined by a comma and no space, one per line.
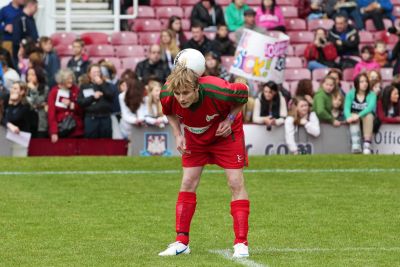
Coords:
88,99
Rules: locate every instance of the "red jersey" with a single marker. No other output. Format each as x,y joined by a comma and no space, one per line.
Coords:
201,119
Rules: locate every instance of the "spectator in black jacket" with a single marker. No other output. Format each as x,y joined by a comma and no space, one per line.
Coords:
96,98
24,26
208,13
199,41
50,59
153,66
222,44
79,62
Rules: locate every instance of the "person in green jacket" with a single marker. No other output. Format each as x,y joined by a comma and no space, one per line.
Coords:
234,14
322,102
359,111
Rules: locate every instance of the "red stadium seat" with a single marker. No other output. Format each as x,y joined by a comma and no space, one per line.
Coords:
286,2
346,86
301,37
387,74
64,50
187,11
274,34
319,74
188,2
163,2
168,11
293,87
366,37
396,11
64,62
100,50
295,24
210,35
297,74
369,25
146,25
294,63
386,37
223,2
290,51
348,75
131,62
63,38
129,51
143,12
149,38
115,61
316,85
227,61
299,50
326,24
188,35
289,11
186,24
94,38
253,2
395,2
124,38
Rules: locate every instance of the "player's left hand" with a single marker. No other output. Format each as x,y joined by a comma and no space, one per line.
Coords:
224,129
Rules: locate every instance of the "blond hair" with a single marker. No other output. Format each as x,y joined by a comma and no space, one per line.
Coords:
150,101
182,78
293,110
171,46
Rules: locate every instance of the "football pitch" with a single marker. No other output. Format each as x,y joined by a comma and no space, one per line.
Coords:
120,211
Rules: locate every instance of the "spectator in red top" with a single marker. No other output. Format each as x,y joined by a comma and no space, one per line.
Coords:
62,102
320,53
389,106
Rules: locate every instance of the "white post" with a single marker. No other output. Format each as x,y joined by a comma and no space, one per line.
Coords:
117,13
68,7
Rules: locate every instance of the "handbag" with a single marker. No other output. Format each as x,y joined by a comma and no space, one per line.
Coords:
66,126
330,52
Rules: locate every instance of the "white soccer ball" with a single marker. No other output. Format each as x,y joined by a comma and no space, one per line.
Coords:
192,59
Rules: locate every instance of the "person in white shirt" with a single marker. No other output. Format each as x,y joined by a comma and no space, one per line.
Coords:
10,76
300,115
154,115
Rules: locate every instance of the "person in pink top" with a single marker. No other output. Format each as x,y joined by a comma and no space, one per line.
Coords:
367,62
269,16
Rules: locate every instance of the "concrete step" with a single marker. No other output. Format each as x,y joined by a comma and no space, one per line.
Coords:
83,6
89,26
86,12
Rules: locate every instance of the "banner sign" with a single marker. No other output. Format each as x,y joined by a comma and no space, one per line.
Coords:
260,57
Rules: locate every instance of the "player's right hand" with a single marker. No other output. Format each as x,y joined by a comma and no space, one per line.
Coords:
180,144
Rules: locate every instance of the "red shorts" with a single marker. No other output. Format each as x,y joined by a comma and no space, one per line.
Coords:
228,153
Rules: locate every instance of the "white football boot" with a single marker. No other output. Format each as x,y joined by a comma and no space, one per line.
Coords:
241,251
175,249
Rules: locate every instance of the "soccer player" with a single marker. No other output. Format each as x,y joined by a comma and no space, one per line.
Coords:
208,108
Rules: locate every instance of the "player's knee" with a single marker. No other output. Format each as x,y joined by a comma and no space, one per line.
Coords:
189,184
236,183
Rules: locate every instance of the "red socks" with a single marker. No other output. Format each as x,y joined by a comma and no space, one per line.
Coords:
185,207
240,210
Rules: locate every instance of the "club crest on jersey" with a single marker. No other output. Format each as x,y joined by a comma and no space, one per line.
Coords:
197,130
211,117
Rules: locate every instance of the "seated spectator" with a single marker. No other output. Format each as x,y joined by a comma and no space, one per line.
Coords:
79,61
305,90
96,99
199,41
208,14
153,114
300,115
63,108
169,48
37,98
377,11
249,23
133,109
234,14
338,76
10,76
17,110
214,67
175,24
381,55
367,62
152,66
270,107
50,59
375,79
359,109
388,110
269,16
346,40
222,44
316,10
248,108
337,107
348,8
321,53
322,104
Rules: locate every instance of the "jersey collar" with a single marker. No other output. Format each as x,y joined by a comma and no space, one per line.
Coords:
194,106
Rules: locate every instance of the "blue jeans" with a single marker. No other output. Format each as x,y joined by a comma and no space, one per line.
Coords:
313,64
355,14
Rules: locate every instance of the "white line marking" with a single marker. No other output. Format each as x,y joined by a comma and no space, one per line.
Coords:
134,172
227,254
317,250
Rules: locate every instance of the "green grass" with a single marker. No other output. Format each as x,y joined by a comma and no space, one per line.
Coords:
125,220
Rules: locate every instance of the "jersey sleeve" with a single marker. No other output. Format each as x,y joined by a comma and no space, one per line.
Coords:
167,99
233,93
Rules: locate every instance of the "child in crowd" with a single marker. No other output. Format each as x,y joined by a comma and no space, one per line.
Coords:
269,16
375,78
381,55
337,107
367,62
270,107
305,89
388,109
359,108
322,104
222,44
153,113
338,75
